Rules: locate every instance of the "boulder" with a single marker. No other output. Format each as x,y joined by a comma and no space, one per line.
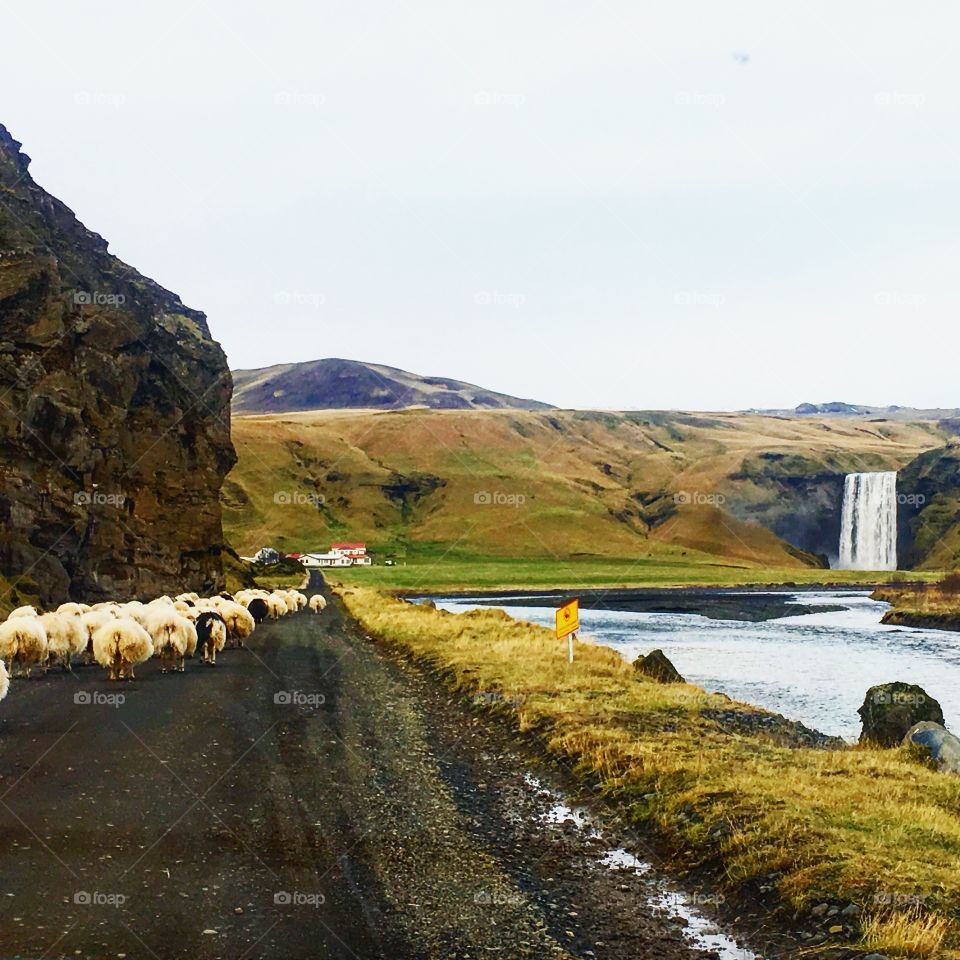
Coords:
657,666
890,709
942,745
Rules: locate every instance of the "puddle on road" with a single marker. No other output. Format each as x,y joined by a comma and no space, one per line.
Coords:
699,930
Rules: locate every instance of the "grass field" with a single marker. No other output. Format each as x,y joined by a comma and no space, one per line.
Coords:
871,826
432,571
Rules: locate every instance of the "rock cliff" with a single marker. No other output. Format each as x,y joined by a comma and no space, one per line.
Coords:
114,414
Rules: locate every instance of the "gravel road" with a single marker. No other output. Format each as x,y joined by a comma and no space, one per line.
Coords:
308,797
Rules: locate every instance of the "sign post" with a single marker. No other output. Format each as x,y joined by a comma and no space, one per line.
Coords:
568,623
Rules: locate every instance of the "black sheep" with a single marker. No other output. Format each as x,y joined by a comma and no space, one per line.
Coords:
258,609
211,636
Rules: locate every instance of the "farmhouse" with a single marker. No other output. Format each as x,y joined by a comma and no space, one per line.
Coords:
325,560
339,555
357,552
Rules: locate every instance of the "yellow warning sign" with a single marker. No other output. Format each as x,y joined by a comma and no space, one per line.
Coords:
568,619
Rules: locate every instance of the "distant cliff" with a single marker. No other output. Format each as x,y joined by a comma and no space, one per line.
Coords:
114,413
334,384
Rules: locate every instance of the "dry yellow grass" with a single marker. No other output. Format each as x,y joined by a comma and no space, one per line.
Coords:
926,606
872,826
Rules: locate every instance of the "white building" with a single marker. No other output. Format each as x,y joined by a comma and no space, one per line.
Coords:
325,560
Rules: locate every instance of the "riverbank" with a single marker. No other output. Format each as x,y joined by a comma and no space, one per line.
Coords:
810,828
922,607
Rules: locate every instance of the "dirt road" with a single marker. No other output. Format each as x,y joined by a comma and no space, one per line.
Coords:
308,797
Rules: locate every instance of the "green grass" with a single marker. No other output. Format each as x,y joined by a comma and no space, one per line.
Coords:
282,580
874,826
432,570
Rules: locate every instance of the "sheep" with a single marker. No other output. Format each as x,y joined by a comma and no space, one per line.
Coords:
65,636
91,622
23,612
258,608
211,635
119,645
317,603
185,597
73,614
277,605
240,623
301,599
174,637
4,680
23,642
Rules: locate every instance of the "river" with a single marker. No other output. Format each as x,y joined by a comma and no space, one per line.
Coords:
814,668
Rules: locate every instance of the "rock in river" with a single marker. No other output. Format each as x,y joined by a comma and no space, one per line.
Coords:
890,709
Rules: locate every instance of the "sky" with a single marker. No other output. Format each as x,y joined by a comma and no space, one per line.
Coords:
601,204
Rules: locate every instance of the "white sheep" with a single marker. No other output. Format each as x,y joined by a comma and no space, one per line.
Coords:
119,645
62,638
77,632
23,612
4,680
239,621
277,606
174,637
317,603
23,642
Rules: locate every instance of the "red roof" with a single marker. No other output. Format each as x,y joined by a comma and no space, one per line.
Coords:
348,546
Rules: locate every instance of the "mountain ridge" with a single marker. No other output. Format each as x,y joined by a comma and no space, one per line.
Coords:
335,383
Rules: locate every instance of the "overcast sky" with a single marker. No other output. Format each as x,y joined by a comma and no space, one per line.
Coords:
612,204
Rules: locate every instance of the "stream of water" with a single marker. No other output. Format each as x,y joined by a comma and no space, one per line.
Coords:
814,668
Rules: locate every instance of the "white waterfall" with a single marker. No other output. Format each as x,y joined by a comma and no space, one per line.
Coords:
868,526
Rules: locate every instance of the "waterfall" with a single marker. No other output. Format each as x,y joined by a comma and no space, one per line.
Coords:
868,526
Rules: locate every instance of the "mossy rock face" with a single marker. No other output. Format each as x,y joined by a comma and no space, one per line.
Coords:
115,421
657,666
890,709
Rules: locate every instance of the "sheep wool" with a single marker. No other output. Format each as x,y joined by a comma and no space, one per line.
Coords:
4,680
60,638
119,645
317,603
277,605
240,623
23,642
173,636
23,612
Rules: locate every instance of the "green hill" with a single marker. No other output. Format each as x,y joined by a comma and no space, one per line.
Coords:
734,490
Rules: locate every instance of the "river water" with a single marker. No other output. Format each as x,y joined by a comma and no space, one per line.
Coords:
814,668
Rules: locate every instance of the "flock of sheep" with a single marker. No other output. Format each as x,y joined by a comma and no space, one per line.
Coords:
121,635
